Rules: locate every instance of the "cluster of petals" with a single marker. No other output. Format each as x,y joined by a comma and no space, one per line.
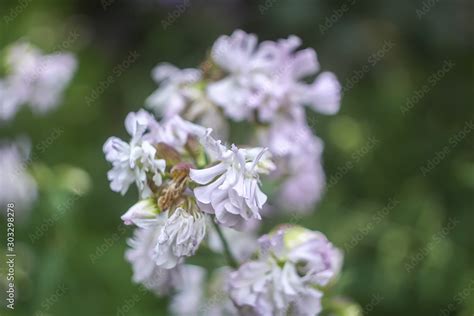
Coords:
268,78
230,188
187,177
174,234
133,161
266,82
136,160
34,79
293,263
145,271
181,93
298,155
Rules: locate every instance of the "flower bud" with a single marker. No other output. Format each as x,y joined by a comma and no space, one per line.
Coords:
141,213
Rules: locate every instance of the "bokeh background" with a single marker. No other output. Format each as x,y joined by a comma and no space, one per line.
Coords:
402,212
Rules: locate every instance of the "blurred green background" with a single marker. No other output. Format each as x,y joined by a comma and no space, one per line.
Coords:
403,219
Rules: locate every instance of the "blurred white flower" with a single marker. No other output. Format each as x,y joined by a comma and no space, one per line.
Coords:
248,74
140,256
231,188
180,236
293,263
303,189
136,160
17,185
33,78
175,132
171,97
298,154
189,291
180,92
269,78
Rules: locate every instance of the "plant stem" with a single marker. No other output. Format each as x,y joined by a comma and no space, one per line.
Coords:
226,247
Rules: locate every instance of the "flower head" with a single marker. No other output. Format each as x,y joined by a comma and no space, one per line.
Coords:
298,155
179,237
145,271
269,78
134,161
189,291
34,78
171,97
231,188
293,263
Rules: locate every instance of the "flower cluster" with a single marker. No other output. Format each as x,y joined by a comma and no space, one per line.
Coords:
264,84
195,188
181,172
16,183
38,80
34,79
293,263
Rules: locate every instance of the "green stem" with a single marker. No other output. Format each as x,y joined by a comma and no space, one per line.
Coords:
226,247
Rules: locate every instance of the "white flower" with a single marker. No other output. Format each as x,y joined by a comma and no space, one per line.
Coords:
237,55
324,94
293,262
231,188
298,154
182,93
145,271
142,213
175,132
34,78
189,291
134,161
302,189
269,78
179,237
171,97
17,185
